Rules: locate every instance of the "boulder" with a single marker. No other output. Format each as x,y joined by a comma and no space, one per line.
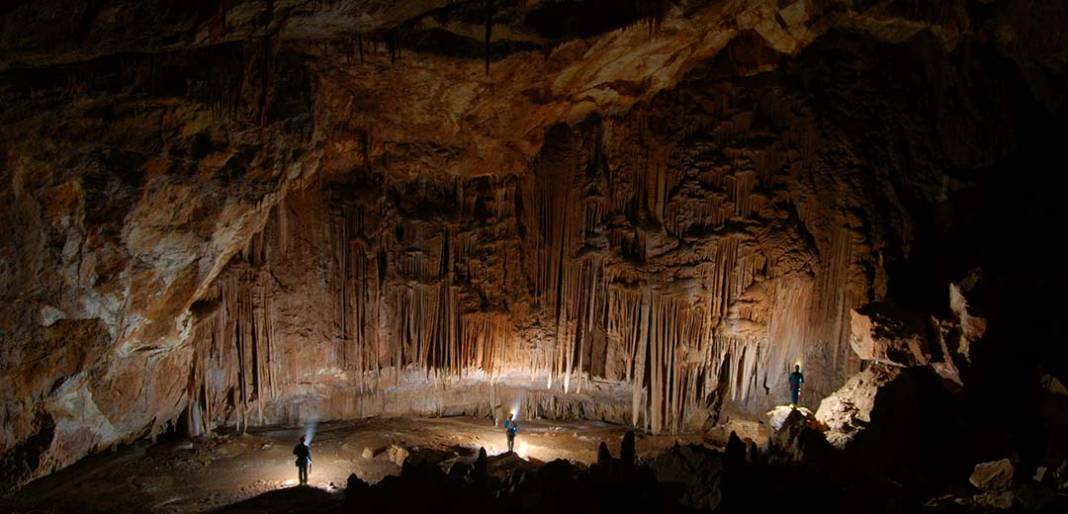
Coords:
1054,386
798,438
459,471
777,417
1060,476
503,465
1054,404
697,470
1001,500
847,411
746,429
397,454
994,476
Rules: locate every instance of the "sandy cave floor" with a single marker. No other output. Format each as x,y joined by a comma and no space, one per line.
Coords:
203,475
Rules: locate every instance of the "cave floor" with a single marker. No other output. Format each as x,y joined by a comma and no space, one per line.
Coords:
207,474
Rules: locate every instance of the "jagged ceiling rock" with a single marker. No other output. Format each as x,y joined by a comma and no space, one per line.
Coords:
892,340
889,339
145,146
971,326
879,333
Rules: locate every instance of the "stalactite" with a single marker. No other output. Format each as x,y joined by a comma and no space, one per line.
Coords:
282,222
638,399
267,67
235,359
788,328
740,186
217,23
489,32
833,303
394,38
639,267
488,343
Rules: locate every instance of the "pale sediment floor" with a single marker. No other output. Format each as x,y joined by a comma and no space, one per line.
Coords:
198,476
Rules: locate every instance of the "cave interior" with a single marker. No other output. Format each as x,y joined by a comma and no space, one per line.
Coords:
229,223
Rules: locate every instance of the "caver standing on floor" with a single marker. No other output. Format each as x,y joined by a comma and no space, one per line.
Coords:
303,453
510,428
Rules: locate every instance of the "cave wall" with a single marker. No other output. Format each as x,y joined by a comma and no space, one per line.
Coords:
682,251
258,213
122,198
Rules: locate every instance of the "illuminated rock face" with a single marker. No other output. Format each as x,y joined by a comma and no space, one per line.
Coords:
266,212
673,268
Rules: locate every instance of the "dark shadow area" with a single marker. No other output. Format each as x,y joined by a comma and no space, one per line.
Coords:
585,18
960,142
295,500
438,41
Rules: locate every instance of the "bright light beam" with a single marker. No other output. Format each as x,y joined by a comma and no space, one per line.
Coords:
515,406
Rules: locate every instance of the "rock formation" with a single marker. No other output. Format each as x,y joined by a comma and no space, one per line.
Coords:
246,212
848,410
993,476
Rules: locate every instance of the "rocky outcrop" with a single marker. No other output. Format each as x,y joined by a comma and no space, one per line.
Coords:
993,476
887,339
798,439
397,455
891,341
848,411
969,326
1002,489
777,417
884,335
696,470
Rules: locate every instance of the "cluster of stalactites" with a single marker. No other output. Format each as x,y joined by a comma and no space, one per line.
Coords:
595,305
234,363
